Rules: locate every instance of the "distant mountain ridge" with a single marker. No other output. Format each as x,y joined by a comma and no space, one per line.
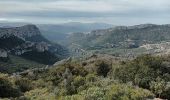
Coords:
59,32
122,36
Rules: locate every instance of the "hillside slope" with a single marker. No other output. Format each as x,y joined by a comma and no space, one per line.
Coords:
17,64
122,36
95,77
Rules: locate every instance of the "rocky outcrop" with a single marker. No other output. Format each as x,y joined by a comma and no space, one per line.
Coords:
3,53
41,47
162,48
27,41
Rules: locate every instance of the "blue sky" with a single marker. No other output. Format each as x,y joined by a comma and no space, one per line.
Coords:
117,12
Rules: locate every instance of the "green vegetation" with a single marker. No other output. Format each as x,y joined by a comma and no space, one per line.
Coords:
7,89
48,57
123,36
17,64
145,77
143,70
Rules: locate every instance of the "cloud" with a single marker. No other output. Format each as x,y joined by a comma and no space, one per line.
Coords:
87,10
11,19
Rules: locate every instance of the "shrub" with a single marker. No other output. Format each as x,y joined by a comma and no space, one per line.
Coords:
93,93
78,82
7,89
111,92
124,92
91,78
102,68
166,94
158,86
24,84
141,71
40,94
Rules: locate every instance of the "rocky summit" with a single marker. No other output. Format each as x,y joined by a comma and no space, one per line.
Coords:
22,32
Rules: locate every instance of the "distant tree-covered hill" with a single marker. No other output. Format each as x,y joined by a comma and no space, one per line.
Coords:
122,36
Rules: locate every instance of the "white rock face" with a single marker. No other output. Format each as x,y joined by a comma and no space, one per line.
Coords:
3,54
20,52
161,46
41,47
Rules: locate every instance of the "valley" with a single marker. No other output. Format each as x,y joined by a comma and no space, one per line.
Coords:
95,65
84,50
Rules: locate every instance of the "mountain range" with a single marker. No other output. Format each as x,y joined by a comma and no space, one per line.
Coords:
121,36
34,69
59,32
29,41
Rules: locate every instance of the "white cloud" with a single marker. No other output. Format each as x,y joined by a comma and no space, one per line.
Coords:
12,19
116,9
3,19
84,5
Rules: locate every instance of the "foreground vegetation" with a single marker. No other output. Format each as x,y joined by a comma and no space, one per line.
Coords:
95,78
14,64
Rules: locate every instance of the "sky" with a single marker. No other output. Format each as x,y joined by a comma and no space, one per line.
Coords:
116,12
